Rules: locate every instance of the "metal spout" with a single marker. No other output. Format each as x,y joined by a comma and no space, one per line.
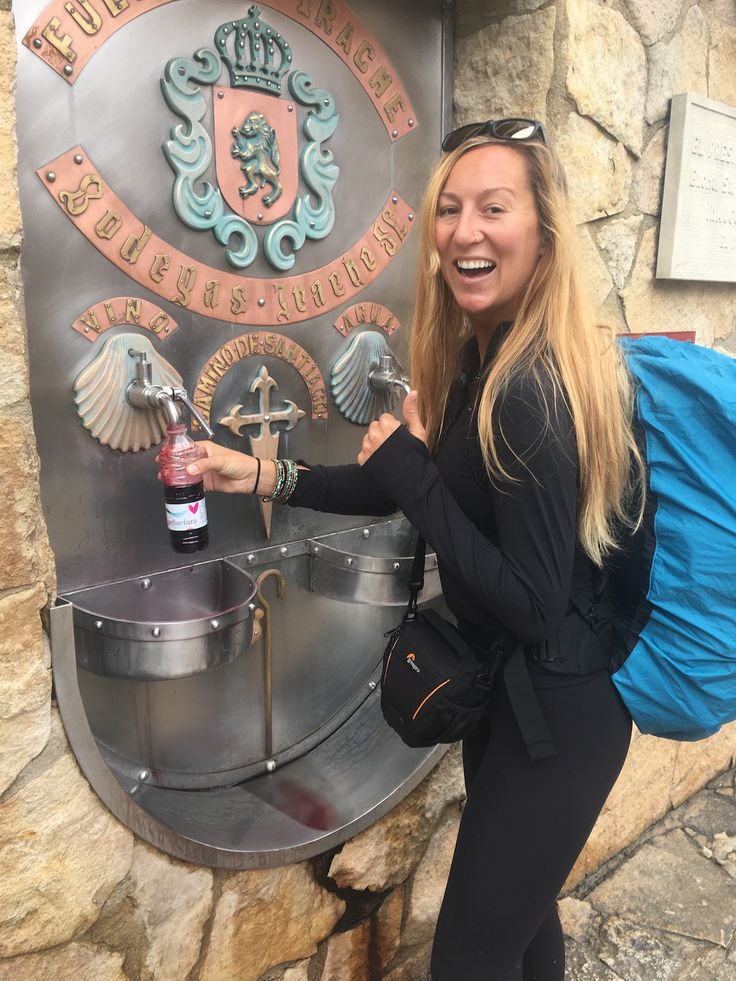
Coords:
143,394
388,377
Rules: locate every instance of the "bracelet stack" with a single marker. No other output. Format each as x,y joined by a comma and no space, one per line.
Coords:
287,474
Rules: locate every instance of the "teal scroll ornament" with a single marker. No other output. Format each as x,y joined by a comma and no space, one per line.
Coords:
251,50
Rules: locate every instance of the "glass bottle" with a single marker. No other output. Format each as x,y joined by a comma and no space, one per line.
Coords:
186,510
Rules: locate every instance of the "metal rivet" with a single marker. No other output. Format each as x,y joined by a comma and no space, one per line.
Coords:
208,214
51,177
99,624
283,550
397,566
315,550
320,415
410,216
411,122
214,624
394,133
327,102
144,775
220,94
156,632
372,685
78,158
68,69
86,330
349,562
290,108
261,301
182,70
312,224
252,607
366,533
394,199
145,583
267,418
260,216
251,559
37,42
271,766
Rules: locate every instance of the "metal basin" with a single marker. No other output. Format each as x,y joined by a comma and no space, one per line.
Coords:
167,625
370,565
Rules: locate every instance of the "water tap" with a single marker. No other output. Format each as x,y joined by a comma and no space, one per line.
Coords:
143,394
388,377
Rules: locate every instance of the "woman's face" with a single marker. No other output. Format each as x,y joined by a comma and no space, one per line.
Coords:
487,233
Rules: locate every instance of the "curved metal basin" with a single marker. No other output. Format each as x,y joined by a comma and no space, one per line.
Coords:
167,625
370,565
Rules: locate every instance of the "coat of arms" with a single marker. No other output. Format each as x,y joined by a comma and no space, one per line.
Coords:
258,164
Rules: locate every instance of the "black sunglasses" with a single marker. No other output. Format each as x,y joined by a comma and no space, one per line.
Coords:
501,129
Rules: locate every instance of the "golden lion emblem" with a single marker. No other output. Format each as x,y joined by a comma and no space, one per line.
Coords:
257,146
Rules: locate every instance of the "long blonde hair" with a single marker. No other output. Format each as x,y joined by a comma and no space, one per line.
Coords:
554,339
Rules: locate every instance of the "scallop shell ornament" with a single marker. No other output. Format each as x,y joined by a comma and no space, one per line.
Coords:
353,396
99,395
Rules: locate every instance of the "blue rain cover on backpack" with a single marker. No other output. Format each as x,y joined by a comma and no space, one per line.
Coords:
677,657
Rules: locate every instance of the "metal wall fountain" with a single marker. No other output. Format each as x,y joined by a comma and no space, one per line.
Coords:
226,192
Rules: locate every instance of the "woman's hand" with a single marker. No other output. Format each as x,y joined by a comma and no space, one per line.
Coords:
229,471
380,430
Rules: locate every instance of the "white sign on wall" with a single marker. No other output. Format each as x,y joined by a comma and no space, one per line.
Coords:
697,239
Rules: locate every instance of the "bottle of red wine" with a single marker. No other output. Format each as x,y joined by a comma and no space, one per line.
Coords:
186,510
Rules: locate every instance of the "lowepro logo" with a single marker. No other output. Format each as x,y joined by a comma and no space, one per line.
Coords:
410,660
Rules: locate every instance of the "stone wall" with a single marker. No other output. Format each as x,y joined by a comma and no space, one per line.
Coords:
81,898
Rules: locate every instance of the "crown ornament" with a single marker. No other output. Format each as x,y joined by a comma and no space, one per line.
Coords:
256,55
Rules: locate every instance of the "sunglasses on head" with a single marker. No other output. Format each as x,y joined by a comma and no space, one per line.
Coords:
501,129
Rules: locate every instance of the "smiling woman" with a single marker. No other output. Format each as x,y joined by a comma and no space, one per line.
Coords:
514,464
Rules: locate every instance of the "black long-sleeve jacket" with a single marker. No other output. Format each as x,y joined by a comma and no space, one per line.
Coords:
507,552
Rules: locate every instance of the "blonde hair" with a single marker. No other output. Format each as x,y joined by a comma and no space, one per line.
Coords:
555,339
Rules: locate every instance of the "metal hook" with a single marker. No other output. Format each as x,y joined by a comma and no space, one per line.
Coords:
268,650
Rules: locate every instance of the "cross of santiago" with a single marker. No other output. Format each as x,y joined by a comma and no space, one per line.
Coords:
265,445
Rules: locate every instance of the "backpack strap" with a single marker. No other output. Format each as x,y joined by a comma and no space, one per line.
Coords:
525,704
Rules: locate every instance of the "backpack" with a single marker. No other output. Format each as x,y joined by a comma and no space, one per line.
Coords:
674,588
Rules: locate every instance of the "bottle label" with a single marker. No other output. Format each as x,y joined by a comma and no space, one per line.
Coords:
186,517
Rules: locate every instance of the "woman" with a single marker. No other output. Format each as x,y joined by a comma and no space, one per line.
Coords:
514,463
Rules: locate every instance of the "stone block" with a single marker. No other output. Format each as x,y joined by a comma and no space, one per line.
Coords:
10,223
579,920
173,901
667,885
596,277
13,365
265,918
428,885
582,965
387,852
598,169
709,814
412,966
29,559
640,954
617,239
662,305
73,962
699,762
387,927
653,18
505,69
646,190
67,853
722,64
25,682
607,71
677,66
348,955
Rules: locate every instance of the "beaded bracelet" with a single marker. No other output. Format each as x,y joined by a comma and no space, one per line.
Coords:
287,474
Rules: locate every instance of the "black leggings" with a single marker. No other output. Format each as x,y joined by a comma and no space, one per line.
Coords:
523,827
